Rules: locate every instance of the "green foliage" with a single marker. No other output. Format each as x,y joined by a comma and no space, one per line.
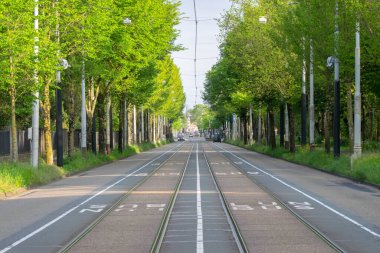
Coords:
21,175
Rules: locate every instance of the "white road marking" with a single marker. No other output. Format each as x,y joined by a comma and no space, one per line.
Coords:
16,243
94,209
199,210
160,207
308,196
241,207
271,206
301,206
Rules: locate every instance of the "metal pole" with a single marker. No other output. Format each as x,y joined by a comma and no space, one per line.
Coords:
36,103
336,120
357,118
303,100
59,131
311,102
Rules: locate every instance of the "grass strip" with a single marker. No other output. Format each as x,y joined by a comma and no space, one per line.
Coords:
365,169
15,177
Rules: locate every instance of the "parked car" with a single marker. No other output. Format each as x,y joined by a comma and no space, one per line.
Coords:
180,137
217,138
190,135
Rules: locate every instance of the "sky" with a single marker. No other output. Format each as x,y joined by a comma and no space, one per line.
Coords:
207,46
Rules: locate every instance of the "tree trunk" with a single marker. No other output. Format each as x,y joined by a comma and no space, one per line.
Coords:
14,143
272,134
102,130
372,124
326,121
154,129
292,130
108,125
364,120
134,126
259,126
378,126
350,119
245,130
89,130
282,124
286,116
121,124
71,131
46,108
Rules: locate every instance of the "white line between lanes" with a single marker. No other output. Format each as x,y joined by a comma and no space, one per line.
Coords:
307,195
76,207
199,210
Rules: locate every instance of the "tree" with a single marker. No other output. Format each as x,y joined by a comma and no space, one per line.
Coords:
16,55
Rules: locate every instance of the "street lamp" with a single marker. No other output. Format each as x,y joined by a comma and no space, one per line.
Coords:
59,131
263,20
127,21
36,102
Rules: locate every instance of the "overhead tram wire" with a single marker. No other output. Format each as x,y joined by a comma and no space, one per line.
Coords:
195,56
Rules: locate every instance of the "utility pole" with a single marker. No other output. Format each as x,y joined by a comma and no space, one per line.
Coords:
59,130
36,103
357,110
336,120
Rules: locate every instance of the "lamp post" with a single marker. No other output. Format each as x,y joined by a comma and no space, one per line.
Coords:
357,118
36,103
336,118
59,130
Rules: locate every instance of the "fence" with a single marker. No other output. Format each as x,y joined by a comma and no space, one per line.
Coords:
24,144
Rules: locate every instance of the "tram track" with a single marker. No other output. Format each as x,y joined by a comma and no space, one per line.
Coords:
283,204
242,248
106,212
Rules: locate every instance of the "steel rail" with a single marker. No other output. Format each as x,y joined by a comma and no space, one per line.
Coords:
92,225
315,230
231,220
155,248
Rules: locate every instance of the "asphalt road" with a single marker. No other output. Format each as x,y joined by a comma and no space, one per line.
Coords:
45,219
277,206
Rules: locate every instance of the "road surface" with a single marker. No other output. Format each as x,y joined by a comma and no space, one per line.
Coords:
194,196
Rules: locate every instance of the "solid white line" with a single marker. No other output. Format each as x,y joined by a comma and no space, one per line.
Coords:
199,210
310,197
74,208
